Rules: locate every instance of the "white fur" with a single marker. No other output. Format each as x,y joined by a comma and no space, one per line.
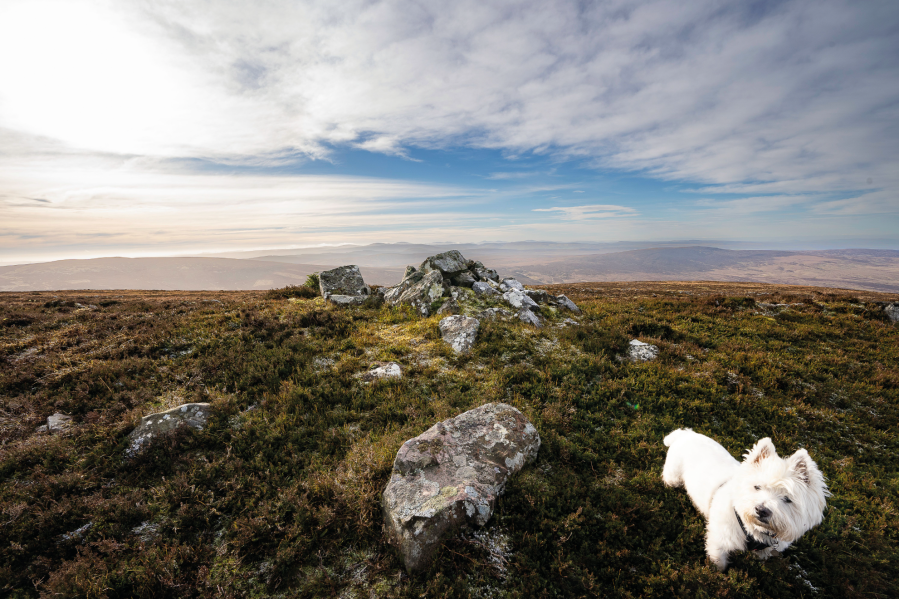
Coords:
718,485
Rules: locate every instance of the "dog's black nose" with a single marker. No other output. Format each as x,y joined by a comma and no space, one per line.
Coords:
763,513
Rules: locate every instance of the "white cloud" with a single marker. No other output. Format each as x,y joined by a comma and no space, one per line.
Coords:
593,211
795,92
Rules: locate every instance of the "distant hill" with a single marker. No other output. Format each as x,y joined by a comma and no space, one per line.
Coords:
531,262
168,274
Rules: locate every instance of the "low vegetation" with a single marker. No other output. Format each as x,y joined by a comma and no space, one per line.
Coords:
280,494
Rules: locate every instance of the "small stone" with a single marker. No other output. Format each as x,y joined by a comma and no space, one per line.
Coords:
528,317
460,332
451,475
194,415
517,299
59,422
511,284
642,352
483,288
449,307
566,303
892,311
494,313
390,370
569,322
538,295
410,270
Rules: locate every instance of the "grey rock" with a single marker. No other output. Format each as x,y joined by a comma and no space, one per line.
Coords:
566,303
448,263
487,274
475,265
422,294
641,352
494,313
343,280
528,317
482,288
892,311
538,295
460,332
57,423
518,300
194,415
451,475
464,279
390,370
449,307
511,284
392,294
410,270
347,300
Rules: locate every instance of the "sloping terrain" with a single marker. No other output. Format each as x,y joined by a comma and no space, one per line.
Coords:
279,494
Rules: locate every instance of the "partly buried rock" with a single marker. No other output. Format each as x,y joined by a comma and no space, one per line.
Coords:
451,475
528,317
494,313
190,414
390,370
343,285
460,332
566,303
56,423
449,307
538,295
892,312
641,352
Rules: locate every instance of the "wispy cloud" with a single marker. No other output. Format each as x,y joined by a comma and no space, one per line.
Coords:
593,211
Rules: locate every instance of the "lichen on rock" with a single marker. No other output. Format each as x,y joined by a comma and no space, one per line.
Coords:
451,475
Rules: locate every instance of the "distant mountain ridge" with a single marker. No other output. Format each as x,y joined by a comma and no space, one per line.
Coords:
532,263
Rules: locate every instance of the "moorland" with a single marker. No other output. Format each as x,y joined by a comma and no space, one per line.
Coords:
279,495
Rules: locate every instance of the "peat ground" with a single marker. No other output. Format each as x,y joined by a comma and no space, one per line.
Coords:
279,494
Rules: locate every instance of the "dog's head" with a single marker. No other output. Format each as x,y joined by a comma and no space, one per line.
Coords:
783,497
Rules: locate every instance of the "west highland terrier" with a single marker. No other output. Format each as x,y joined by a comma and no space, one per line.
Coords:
762,505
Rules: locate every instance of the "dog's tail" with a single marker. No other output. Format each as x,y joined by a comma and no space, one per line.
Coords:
673,435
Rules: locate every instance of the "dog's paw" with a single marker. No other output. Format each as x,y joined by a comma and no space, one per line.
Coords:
764,554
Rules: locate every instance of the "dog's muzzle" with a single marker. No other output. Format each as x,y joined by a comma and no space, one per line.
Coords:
763,513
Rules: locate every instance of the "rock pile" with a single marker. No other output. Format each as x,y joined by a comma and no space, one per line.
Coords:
451,475
446,274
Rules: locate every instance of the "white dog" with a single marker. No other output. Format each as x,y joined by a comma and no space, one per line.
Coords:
763,504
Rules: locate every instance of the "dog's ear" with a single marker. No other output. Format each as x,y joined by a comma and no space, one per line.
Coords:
801,466
762,450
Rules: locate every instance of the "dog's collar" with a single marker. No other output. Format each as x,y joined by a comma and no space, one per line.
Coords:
753,544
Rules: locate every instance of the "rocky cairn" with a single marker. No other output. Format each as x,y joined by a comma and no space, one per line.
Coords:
450,476
449,275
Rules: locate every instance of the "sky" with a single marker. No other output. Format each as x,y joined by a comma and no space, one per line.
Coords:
165,127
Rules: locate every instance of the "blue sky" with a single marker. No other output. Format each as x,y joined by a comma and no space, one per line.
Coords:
163,127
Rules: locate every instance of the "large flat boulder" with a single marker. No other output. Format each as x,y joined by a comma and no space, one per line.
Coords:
451,475
448,263
193,415
343,281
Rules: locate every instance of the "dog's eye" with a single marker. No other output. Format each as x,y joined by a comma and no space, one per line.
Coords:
758,488
787,500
